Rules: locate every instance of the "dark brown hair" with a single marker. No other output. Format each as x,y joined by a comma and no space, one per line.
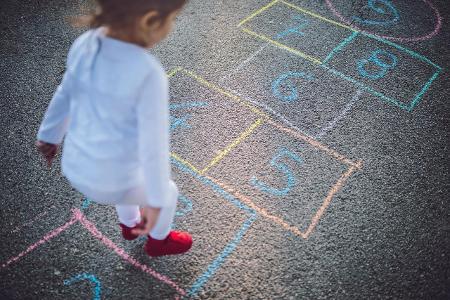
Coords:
122,13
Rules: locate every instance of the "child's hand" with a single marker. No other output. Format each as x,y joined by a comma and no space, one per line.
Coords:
149,215
47,150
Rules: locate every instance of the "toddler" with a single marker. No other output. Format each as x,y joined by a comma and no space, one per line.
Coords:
112,106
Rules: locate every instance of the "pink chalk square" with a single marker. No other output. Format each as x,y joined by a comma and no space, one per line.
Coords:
43,266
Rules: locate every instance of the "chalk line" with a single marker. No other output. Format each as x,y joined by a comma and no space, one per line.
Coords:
19,227
341,115
244,63
336,188
436,30
125,256
271,111
44,240
89,277
78,216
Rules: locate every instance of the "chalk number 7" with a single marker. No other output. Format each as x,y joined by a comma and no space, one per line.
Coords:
283,168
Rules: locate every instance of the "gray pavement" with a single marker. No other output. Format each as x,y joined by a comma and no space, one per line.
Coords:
304,175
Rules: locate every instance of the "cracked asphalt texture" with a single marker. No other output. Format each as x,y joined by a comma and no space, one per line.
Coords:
385,234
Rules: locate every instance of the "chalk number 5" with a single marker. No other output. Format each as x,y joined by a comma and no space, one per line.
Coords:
283,168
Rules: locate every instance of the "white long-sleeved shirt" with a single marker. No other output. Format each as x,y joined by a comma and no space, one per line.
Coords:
113,107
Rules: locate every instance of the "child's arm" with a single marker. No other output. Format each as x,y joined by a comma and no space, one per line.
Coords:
54,125
56,118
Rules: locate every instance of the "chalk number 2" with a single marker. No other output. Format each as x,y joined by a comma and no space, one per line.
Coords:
283,168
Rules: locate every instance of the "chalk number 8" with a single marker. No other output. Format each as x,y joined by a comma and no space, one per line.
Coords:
383,62
283,168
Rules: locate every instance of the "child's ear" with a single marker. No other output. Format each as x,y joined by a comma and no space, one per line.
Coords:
148,20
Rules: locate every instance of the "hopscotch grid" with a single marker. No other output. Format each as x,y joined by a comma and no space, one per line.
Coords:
78,217
259,11
267,119
244,135
268,109
341,46
318,16
353,167
233,244
283,46
279,220
406,106
228,148
423,91
367,88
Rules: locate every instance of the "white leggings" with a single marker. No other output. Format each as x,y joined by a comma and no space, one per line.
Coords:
128,206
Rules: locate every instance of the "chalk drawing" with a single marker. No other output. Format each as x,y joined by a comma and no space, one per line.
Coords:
200,281
435,31
279,116
182,122
33,220
232,245
84,276
401,104
228,148
78,217
353,167
284,80
187,206
296,29
282,46
341,115
376,58
86,203
179,122
244,63
391,12
283,168
340,47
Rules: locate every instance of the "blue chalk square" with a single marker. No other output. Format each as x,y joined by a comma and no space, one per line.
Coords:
298,92
385,69
197,108
297,30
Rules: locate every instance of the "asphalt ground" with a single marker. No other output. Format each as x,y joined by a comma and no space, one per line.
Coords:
302,176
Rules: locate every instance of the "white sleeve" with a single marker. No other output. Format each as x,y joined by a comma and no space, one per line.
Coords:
154,139
56,119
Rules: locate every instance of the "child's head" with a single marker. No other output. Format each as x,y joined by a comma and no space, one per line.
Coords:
143,22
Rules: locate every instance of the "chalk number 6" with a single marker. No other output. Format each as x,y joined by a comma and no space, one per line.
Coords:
283,168
284,80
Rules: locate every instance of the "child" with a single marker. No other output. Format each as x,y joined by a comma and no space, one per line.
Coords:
112,105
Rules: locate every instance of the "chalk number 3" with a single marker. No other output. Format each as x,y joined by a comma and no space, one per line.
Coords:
283,168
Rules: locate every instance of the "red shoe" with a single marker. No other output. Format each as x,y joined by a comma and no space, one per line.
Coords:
126,231
176,242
